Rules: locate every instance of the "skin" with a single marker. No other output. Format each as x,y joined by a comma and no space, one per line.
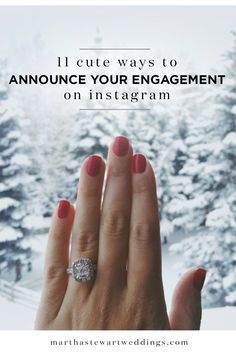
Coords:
123,229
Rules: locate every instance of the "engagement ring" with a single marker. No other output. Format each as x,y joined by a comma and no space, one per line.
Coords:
83,270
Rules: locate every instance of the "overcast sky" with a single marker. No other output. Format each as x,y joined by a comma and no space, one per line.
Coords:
198,35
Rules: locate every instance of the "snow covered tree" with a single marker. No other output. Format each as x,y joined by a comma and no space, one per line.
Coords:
13,165
207,206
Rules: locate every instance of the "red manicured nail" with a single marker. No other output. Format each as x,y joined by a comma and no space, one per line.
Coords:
139,163
63,209
93,165
199,278
121,146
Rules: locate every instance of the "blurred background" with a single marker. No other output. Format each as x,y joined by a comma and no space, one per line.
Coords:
190,140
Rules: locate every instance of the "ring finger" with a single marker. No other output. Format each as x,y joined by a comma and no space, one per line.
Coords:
87,216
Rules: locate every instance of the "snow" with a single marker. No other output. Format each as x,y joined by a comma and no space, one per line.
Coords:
18,214
106,140
7,114
191,204
37,244
220,217
10,234
86,143
96,133
7,202
35,222
20,159
166,228
233,109
229,280
15,182
13,134
231,298
15,316
2,88
3,187
230,139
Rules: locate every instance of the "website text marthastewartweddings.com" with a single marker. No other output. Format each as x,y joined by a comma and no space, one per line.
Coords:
145,342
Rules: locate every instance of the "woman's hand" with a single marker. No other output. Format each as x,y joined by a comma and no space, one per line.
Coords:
122,234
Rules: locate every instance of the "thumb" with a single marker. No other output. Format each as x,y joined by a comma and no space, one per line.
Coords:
186,310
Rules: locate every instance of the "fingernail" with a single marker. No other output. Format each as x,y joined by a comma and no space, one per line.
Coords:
139,163
199,278
121,146
93,165
63,209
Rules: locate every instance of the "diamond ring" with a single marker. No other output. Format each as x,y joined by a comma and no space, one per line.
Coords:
83,270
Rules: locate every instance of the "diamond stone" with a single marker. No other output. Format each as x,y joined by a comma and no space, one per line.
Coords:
83,269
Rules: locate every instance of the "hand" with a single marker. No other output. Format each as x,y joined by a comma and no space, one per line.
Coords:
123,236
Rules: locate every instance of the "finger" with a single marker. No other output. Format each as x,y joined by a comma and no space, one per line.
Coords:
144,262
115,218
56,262
186,308
85,231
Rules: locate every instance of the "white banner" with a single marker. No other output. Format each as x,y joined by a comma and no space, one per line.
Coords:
28,342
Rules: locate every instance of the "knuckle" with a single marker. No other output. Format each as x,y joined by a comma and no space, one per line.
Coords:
115,223
145,312
86,241
141,187
137,311
117,170
105,311
144,233
89,190
54,272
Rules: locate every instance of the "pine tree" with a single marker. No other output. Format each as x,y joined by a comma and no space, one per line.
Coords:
13,164
207,207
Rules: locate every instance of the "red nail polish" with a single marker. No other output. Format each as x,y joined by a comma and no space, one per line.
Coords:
199,278
139,163
93,165
63,209
121,146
